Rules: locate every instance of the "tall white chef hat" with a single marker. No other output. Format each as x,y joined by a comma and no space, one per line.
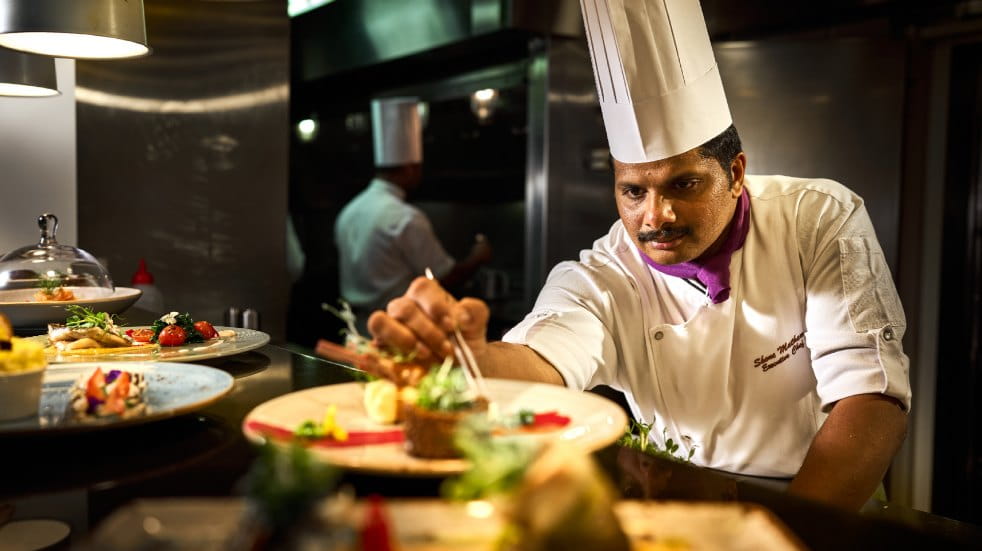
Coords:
397,133
657,80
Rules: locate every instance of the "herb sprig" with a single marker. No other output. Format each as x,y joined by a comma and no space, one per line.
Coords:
445,389
637,437
497,465
48,284
81,317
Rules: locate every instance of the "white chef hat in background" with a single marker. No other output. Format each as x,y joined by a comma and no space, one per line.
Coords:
657,79
397,133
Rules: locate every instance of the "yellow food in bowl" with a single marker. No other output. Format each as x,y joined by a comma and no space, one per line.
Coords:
24,355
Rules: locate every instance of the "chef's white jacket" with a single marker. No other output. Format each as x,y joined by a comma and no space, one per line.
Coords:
383,243
813,317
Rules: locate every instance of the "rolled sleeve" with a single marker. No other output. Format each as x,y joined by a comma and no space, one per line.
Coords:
871,362
854,320
567,328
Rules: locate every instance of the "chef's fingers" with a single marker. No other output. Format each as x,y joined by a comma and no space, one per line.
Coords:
431,341
390,333
434,301
472,317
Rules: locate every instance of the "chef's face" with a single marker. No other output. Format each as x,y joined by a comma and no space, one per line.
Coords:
676,209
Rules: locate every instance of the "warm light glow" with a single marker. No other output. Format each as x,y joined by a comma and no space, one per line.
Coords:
480,509
23,90
245,100
307,126
486,94
306,130
81,46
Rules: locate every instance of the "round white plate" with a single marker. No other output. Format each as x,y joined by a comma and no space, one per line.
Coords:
594,423
245,340
23,312
172,389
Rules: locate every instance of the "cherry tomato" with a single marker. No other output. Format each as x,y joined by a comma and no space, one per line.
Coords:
140,335
206,329
116,402
96,386
172,335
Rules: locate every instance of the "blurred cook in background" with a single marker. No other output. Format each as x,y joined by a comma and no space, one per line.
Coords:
383,241
750,319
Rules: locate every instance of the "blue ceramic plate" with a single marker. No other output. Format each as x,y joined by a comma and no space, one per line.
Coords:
172,389
244,341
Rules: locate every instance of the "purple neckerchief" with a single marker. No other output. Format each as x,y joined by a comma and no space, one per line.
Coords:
714,272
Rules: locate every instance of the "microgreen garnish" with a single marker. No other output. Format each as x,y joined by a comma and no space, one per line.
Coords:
48,284
496,465
637,437
445,389
81,317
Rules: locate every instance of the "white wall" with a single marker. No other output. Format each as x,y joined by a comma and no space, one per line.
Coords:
37,163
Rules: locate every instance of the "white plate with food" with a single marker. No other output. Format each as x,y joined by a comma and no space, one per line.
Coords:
591,421
236,341
24,311
168,390
86,336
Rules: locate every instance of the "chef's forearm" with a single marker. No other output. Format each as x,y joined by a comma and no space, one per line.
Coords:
852,451
516,361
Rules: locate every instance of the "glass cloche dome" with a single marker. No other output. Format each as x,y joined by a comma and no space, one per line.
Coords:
49,271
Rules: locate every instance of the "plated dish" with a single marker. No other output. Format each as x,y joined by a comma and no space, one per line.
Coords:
437,525
23,311
243,340
594,422
171,389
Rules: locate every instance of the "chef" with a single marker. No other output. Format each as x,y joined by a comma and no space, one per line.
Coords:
751,319
383,242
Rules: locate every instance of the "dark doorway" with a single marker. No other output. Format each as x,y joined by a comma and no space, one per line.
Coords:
957,491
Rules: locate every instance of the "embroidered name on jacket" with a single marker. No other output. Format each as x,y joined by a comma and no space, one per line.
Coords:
781,354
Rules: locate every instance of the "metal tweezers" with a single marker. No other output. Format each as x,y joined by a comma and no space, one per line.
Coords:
465,357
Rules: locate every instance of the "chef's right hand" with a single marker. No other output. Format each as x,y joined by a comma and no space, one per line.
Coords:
423,319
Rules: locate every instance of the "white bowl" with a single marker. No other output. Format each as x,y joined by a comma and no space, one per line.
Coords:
23,313
20,393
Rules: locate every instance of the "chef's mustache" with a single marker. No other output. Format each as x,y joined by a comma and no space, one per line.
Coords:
664,234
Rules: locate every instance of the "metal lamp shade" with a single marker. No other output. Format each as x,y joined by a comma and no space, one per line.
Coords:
81,29
27,75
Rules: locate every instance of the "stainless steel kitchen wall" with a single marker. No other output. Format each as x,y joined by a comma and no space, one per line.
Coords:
182,157
831,108
828,108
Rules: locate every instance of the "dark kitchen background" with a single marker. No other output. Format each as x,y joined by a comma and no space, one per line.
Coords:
194,158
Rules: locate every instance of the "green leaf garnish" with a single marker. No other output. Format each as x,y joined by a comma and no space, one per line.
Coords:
445,389
637,437
48,284
185,322
497,465
81,317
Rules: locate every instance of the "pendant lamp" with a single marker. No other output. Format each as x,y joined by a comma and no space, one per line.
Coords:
81,29
27,75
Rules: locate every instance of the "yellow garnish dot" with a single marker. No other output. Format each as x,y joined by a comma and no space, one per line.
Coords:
330,425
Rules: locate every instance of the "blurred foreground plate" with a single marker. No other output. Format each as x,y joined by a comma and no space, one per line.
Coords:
23,312
172,389
437,525
594,423
244,341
